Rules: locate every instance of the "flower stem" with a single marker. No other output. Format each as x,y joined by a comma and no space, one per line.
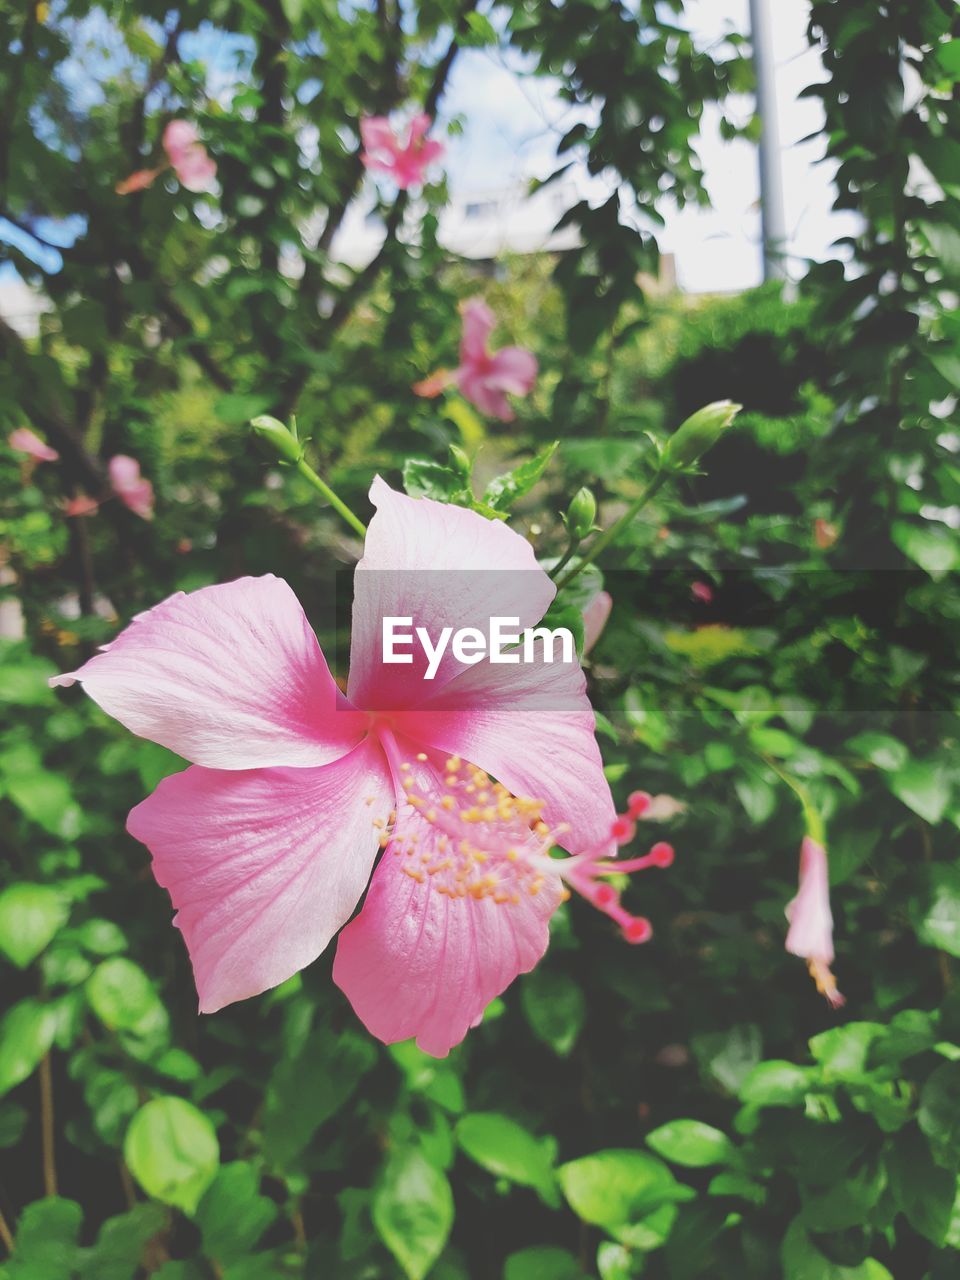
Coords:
338,504
46,1127
603,540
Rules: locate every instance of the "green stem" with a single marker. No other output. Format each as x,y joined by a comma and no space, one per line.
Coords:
603,541
811,816
338,504
564,559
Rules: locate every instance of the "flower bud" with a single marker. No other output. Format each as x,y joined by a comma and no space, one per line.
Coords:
700,432
279,437
581,514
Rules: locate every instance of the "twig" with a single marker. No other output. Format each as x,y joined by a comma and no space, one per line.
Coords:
46,1127
6,1234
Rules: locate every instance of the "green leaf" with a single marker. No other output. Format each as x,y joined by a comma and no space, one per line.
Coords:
507,1150
46,799
24,683
26,1034
120,1244
13,1121
308,1088
503,491
939,1112
843,1051
691,1143
30,915
172,1150
934,548
881,750
124,998
554,1007
921,1188
776,1083
46,1241
803,1261
542,1263
233,1215
412,1211
728,1057
425,479
613,1189
923,786
939,923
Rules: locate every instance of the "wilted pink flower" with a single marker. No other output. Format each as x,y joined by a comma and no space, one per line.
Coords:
130,486
702,592
267,842
26,441
81,506
825,534
483,378
811,923
595,616
406,163
194,168
188,157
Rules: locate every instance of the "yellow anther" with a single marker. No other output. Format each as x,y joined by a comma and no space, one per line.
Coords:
447,803
453,764
431,815
421,756
414,874
405,767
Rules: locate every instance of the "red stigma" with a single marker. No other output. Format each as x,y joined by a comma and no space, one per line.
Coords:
662,854
638,802
638,930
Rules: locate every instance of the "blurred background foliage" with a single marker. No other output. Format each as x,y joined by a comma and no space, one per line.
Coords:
689,1109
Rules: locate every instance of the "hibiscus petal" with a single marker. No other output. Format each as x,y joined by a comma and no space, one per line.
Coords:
433,385
264,866
478,324
440,565
418,962
531,727
478,389
513,369
26,441
377,136
230,676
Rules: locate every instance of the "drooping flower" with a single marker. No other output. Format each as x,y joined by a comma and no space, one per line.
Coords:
702,592
26,441
595,616
187,156
133,489
810,935
405,162
268,840
482,377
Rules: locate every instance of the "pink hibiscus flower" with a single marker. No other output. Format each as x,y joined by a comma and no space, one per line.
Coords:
811,922
133,490
702,592
484,378
267,842
186,155
26,441
406,163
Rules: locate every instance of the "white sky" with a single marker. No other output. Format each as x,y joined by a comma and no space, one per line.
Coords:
512,124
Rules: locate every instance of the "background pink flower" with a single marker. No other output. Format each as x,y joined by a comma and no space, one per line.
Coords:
26,441
406,163
484,378
268,840
194,168
133,490
595,616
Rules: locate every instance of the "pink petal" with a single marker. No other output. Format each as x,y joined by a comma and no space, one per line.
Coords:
595,617
178,137
419,127
229,676
138,181
442,566
531,727
26,441
130,487
197,171
811,921
476,388
419,962
478,324
263,866
513,369
377,136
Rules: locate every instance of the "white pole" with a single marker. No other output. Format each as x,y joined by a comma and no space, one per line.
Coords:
772,213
